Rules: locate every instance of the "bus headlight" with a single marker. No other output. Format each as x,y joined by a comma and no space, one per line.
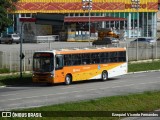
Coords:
51,76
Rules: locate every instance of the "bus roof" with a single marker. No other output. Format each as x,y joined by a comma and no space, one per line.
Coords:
88,50
82,50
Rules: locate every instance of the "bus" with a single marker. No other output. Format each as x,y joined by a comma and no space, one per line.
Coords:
70,65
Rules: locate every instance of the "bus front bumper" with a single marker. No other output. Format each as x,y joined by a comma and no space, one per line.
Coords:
43,79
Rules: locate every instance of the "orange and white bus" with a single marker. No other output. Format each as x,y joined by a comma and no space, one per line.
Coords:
69,65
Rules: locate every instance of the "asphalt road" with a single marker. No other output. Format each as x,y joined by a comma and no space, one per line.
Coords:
45,46
39,95
42,46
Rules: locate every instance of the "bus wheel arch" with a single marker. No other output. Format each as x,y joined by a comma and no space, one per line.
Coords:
104,75
68,79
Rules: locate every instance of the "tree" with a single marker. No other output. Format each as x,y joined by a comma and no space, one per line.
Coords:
6,7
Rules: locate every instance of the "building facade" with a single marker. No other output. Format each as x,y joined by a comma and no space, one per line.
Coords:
158,20
129,18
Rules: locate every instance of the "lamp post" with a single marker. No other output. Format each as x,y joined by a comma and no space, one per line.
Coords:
87,5
23,20
21,54
136,5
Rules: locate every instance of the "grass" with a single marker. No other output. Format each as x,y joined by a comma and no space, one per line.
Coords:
147,101
134,67
15,80
4,70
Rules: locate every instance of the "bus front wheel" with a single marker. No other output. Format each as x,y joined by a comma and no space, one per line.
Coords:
104,75
68,79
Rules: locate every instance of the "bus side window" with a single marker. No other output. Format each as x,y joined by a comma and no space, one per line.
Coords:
86,58
67,60
59,61
95,58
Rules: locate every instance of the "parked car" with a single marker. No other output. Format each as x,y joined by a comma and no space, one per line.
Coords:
143,41
105,41
10,38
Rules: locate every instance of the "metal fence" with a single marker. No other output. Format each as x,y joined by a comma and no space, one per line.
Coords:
11,60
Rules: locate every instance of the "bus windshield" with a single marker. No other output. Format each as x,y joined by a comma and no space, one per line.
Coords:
43,62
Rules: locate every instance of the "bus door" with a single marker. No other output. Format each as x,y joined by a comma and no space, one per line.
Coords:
59,72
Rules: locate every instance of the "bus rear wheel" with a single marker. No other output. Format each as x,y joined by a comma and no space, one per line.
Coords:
68,79
104,75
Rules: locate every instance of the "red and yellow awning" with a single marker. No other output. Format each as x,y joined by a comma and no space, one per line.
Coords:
75,6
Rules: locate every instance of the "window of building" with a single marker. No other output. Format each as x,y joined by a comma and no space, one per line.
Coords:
71,14
28,15
76,14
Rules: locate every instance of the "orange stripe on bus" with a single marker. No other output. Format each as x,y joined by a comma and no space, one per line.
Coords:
65,51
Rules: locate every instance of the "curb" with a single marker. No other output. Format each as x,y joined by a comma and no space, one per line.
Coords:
143,72
144,61
16,73
3,86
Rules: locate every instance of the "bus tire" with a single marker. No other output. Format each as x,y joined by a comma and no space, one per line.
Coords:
104,75
68,79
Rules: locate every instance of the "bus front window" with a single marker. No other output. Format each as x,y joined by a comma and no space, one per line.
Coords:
43,62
